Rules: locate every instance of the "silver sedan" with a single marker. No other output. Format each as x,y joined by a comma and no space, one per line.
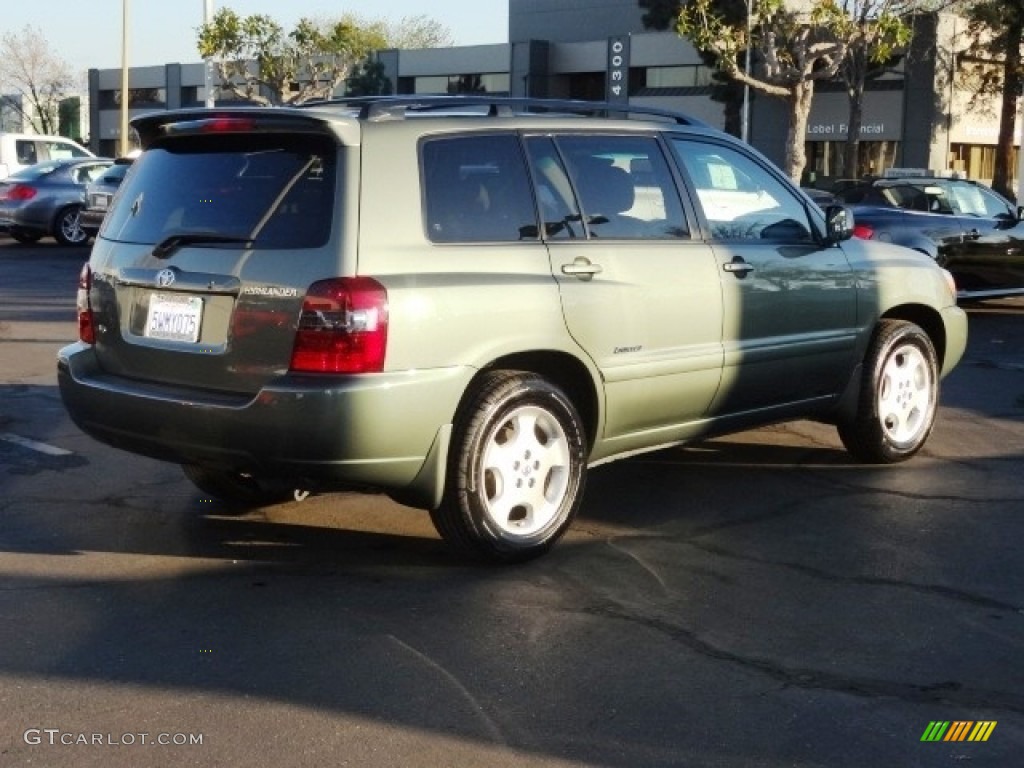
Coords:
46,199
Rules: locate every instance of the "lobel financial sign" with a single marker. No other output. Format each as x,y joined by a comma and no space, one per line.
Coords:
825,130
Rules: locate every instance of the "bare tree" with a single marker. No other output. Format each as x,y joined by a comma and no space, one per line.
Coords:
35,76
418,32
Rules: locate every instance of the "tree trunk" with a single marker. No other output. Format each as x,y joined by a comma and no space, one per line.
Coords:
799,102
1002,178
855,75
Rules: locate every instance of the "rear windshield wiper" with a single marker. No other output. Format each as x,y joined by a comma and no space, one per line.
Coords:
170,244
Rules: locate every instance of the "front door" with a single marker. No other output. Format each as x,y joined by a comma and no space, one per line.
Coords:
789,303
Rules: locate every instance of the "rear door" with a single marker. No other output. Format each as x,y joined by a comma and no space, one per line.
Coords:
640,295
789,303
202,263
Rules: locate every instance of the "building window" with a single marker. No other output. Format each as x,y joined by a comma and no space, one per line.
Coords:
138,98
696,76
193,96
825,160
977,161
488,82
588,86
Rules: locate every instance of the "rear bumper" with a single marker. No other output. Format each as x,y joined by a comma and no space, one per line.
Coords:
90,220
385,431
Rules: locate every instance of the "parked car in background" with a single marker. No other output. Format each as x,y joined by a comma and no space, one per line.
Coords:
98,194
46,199
550,287
20,150
822,197
966,227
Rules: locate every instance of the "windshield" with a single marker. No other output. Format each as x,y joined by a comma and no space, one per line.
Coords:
264,192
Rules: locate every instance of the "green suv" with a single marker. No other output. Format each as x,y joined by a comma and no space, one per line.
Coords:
465,302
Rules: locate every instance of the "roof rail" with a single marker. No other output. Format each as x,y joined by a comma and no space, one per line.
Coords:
397,107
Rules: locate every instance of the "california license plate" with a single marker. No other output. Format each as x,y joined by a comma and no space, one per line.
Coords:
173,317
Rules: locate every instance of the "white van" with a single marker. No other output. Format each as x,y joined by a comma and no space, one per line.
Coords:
20,150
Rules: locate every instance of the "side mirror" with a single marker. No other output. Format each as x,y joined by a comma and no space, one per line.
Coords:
1020,213
838,223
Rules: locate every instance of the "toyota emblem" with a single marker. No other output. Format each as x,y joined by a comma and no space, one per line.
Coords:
164,277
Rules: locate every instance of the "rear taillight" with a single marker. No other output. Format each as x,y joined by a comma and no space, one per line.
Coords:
343,327
863,231
20,192
86,323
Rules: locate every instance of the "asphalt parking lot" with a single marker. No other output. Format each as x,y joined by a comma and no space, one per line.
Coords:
757,600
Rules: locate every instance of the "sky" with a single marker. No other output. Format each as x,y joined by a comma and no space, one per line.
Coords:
87,33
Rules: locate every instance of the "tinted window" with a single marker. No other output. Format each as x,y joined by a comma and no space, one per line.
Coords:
741,199
276,191
477,190
624,186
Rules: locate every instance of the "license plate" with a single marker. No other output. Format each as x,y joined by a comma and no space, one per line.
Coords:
99,201
175,318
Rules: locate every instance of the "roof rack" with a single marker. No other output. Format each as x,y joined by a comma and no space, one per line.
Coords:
398,107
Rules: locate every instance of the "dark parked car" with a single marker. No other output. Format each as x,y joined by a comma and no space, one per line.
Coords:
966,227
46,199
99,192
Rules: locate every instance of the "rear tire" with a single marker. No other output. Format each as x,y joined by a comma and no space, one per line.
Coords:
516,472
898,396
239,491
66,227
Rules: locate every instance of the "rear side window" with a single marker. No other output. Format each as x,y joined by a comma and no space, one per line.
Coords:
624,186
477,190
270,191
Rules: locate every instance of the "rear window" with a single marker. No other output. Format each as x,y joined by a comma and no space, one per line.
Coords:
273,191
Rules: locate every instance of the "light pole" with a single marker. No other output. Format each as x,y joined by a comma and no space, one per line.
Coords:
124,78
745,115
207,73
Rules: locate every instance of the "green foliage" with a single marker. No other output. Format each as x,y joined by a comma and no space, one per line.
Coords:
368,79
257,61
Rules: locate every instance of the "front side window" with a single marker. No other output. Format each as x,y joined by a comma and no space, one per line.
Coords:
266,191
477,190
974,200
741,199
624,187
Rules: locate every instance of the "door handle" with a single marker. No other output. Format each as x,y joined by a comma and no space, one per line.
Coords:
582,268
738,266
972,234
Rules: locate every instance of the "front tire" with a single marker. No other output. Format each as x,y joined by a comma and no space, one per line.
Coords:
898,397
517,470
66,229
